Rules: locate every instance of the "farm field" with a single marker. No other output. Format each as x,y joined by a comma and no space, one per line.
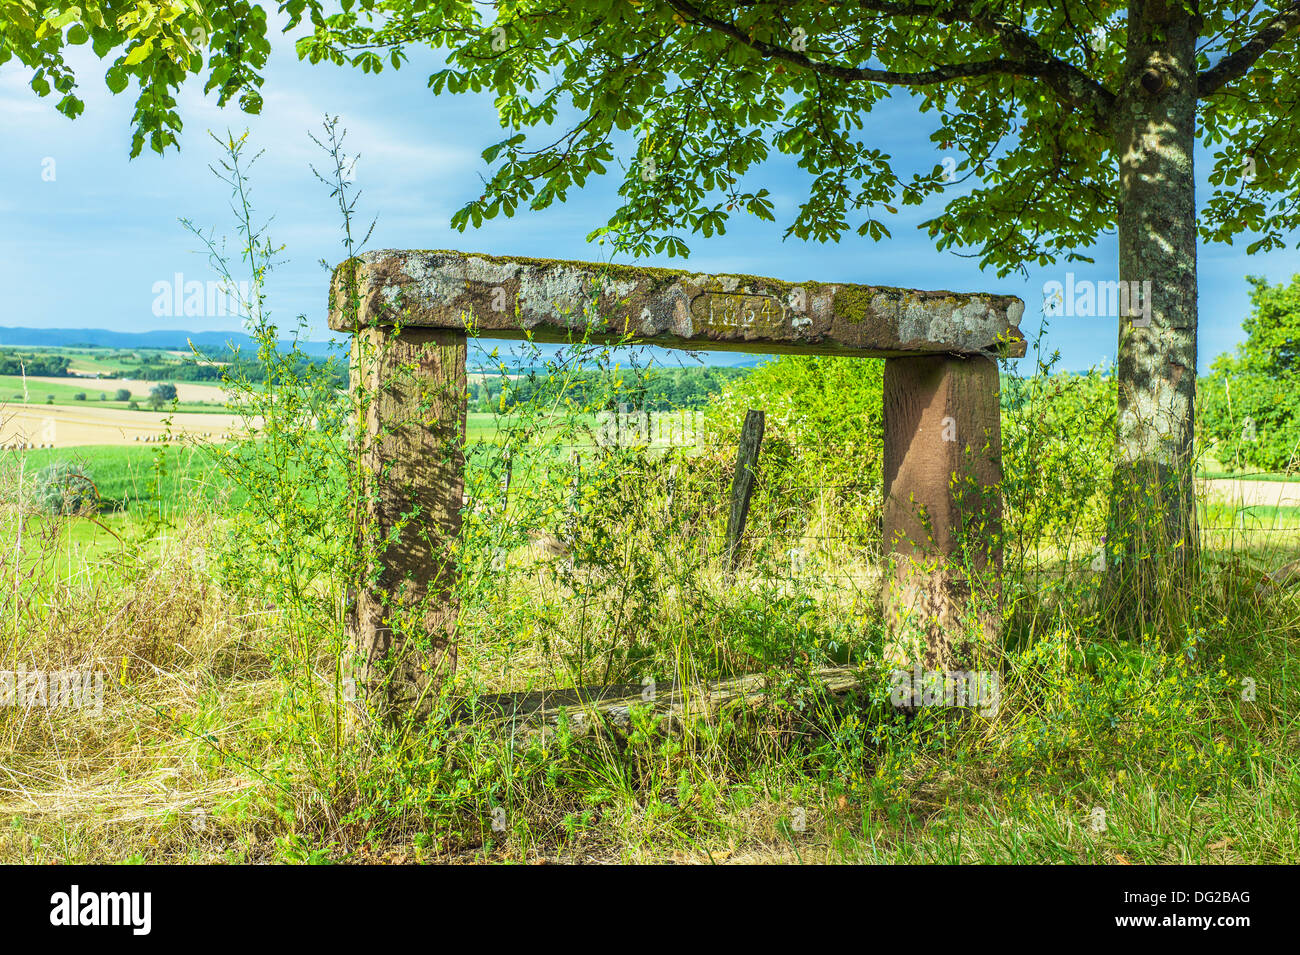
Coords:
38,386
65,391
128,478
84,423
1250,492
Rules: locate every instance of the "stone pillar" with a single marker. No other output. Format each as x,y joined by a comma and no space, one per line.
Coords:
402,625
942,509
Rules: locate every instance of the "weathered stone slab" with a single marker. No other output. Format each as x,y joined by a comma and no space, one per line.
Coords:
402,623
555,301
585,708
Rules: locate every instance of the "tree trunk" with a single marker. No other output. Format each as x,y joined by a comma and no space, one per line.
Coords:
1152,535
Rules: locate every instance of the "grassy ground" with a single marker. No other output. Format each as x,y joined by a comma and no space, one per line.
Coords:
210,745
1262,517
192,760
1211,468
134,477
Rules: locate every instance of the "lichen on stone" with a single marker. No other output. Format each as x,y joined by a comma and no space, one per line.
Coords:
853,303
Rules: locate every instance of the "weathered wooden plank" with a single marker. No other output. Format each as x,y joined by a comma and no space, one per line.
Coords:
555,301
742,482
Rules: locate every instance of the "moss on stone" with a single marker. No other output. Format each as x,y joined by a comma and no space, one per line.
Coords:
853,302
338,282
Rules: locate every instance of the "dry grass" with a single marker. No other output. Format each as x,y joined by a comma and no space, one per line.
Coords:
64,426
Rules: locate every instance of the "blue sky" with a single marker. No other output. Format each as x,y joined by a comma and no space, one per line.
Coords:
87,248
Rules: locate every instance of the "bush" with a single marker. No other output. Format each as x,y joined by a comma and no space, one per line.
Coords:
79,396
162,394
1253,419
1058,444
66,488
122,394
1250,404
823,440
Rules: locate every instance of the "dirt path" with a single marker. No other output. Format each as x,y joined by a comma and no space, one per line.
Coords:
1252,493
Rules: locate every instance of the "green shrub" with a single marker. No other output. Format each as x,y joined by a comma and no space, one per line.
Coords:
1058,443
66,488
1250,405
823,440
1253,419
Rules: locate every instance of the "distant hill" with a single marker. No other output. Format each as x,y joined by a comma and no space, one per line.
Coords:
163,339
512,352
175,340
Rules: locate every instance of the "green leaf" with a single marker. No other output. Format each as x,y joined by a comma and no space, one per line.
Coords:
115,79
138,53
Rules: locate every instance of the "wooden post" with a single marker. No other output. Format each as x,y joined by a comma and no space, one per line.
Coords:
506,473
742,483
942,507
403,622
575,486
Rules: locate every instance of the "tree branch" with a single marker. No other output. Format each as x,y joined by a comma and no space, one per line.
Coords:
1066,80
1235,65
1072,84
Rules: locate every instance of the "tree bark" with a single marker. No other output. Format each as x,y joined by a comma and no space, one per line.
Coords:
1153,528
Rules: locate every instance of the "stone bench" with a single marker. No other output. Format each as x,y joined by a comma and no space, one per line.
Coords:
411,312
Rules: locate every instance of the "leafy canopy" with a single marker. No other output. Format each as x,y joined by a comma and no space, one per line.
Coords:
688,97
156,45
